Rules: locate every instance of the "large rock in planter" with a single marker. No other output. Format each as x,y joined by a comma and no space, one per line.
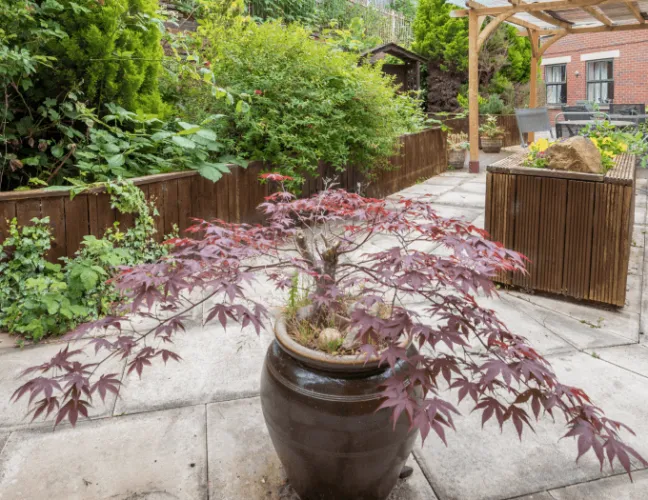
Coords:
577,154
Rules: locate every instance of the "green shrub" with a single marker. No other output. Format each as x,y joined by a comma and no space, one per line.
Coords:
38,298
307,101
109,49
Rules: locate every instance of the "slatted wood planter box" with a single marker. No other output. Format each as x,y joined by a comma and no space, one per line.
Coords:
575,228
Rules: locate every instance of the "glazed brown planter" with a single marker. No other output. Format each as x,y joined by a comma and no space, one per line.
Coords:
321,415
491,144
457,159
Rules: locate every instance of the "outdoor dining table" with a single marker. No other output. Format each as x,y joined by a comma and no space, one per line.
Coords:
636,119
574,126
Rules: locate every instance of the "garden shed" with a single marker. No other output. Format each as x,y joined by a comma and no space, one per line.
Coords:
544,22
408,74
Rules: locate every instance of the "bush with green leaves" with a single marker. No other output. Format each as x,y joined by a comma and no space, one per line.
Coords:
109,48
76,144
307,101
39,298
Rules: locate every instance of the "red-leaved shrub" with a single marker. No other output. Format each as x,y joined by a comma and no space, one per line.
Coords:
329,239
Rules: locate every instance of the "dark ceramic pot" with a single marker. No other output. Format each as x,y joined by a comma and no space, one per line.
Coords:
320,411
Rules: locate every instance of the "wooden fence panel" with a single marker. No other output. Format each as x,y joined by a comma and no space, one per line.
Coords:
76,222
185,195
55,209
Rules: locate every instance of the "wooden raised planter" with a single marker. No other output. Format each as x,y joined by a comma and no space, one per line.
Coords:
575,228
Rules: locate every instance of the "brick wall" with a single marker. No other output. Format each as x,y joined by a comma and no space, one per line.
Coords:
630,68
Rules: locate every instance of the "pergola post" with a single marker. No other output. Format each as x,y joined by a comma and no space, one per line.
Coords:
533,77
473,91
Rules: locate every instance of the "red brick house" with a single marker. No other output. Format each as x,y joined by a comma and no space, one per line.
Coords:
597,67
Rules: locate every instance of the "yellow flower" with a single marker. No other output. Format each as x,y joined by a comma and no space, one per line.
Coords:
606,140
623,146
541,144
593,139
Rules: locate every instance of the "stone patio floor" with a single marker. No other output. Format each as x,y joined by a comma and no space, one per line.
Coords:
194,430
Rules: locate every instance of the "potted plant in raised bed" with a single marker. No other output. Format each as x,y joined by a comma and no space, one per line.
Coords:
491,135
457,146
370,341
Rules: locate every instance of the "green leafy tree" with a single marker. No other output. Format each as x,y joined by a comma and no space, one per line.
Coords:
112,47
306,102
444,40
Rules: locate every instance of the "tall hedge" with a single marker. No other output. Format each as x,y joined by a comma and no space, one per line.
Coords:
112,50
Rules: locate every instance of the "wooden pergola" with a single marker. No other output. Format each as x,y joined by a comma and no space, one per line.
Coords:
544,22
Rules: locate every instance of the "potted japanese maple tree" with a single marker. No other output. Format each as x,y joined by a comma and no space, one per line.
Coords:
371,339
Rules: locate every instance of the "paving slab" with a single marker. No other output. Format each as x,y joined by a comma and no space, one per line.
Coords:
633,293
472,187
635,264
3,440
460,198
640,214
244,465
639,236
425,189
445,180
630,357
536,496
7,342
578,333
455,212
611,488
620,322
486,464
516,317
216,365
14,361
156,456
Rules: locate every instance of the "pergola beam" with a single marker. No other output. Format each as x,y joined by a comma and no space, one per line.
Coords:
551,20
482,10
598,14
477,8
632,7
551,41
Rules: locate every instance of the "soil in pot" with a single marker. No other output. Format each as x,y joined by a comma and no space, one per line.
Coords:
320,410
491,144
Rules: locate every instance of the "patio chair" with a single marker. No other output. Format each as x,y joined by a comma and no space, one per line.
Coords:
589,106
532,120
577,112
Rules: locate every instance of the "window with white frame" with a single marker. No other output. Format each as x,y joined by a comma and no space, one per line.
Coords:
556,83
600,81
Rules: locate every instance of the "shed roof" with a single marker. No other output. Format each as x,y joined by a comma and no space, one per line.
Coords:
395,50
